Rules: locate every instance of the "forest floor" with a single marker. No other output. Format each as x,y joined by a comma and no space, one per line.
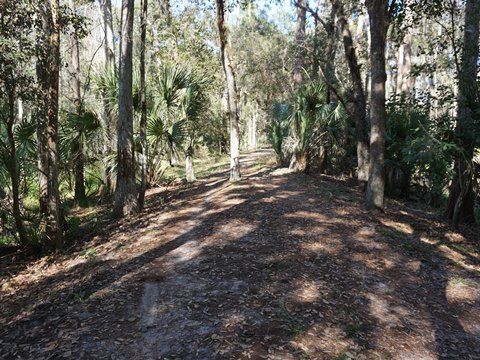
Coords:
276,266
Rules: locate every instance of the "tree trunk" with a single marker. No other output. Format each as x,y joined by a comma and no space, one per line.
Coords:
80,198
143,105
330,51
299,40
461,198
126,201
322,159
109,141
404,62
231,91
252,130
13,169
359,100
376,178
173,154
48,67
298,162
108,44
189,169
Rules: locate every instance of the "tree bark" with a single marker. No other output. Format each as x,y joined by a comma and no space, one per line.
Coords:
80,197
330,51
231,91
126,201
299,43
252,130
359,100
298,161
48,68
404,83
143,105
377,10
461,198
109,141
189,167
108,44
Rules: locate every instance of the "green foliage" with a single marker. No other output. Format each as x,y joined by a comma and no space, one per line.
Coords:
315,124
89,255
76,131
353,329
278,128
421,149
180,104
106,83
294,327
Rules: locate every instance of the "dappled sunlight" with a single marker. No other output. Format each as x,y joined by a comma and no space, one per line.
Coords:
375,262
458,258
233,230
308,215
263,268
429,239
460,290
403,228
381,308
308,291
454,236
321,247
185,253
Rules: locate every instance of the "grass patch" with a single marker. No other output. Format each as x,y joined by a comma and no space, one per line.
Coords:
101,294
293,326
353,330
204,167
461,248
79,297
457,280
89,255
345,357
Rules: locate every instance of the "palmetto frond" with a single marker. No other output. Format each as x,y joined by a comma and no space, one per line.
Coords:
76,130
107,83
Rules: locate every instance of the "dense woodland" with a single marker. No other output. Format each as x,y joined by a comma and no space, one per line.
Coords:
98,99
239,179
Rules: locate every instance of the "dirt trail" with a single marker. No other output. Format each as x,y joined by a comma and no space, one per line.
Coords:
276,266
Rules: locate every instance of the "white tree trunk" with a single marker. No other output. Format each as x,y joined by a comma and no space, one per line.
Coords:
231,91
189,169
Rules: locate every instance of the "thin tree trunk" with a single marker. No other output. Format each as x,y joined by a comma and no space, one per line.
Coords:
404,63
108,44
322,159
109,141
376,179
143,105
80,198
252,130
14,171
359,100
126,201
229,72
173,154
330,51
189,167
461,198
298,160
